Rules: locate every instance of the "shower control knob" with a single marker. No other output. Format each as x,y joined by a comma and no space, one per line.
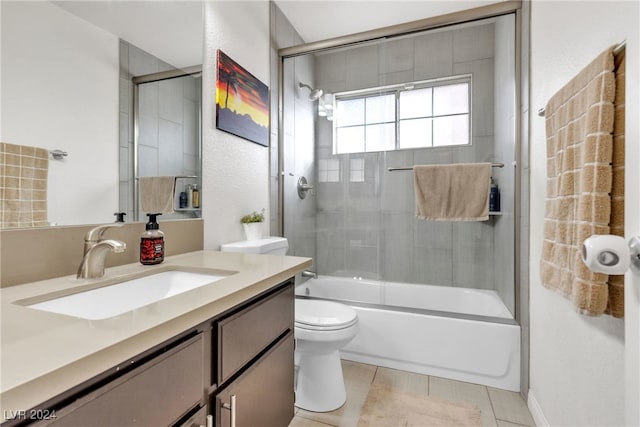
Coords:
303,187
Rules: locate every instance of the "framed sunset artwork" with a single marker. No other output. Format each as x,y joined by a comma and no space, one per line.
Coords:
242,102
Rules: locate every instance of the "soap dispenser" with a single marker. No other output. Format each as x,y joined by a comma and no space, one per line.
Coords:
120,216
152,242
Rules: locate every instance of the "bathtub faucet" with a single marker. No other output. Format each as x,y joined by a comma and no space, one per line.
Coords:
308,273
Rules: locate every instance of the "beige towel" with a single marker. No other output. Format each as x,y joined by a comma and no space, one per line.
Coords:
615,305
23,186
157,194
458,192
579,121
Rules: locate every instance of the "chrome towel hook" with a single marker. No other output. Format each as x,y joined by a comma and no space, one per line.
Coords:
58,154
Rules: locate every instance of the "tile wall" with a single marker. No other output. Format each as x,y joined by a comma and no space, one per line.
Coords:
362,223
367,227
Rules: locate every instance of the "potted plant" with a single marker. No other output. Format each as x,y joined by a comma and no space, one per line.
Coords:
252,224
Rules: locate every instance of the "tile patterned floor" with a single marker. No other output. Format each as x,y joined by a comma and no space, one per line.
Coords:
498,408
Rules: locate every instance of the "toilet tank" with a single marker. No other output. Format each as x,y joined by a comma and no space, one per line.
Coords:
268,245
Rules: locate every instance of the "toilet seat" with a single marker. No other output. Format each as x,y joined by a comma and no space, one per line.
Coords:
323,315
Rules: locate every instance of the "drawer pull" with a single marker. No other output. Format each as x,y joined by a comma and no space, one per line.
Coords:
209,422
232,408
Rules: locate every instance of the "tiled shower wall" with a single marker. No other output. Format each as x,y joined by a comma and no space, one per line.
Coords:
366,227
169,123
360,216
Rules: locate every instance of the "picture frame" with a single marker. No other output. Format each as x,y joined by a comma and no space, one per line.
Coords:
242,102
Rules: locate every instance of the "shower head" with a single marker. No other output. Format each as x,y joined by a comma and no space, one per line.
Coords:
315,93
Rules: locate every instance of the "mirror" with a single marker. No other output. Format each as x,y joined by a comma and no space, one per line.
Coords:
62,89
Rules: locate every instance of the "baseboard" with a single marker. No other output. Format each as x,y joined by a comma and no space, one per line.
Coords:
536,411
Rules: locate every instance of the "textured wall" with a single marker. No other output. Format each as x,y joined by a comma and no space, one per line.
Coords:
577,362
235,171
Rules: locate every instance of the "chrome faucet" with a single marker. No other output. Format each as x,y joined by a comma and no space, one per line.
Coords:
308,273
95,251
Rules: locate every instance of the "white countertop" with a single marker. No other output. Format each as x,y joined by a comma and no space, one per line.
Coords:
43,354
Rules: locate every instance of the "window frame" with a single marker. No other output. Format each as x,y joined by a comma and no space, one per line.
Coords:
396,90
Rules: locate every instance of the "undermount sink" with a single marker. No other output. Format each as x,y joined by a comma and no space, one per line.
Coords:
113,300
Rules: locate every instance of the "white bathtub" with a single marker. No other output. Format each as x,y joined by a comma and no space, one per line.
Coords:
457,333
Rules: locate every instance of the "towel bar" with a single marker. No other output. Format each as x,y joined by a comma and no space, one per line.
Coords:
408,168
616,51
177,177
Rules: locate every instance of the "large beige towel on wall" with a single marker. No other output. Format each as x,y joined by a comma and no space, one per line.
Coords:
579,123
457,192
616,283
23,186
157,194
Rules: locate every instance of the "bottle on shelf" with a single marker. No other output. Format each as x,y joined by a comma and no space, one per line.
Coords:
195,196
189,196
494,197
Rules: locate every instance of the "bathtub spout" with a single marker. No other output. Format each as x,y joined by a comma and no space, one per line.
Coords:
311,274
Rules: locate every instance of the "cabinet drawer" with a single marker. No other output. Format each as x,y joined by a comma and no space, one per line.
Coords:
245,334
199,419
263,395
157,393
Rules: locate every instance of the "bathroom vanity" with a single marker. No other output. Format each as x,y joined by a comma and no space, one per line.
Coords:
210,356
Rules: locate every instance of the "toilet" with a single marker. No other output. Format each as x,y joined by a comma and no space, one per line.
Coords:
321,329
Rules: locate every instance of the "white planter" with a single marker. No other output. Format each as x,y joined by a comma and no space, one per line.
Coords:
253,230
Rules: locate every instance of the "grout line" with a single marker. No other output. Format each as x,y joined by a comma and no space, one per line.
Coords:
316,421
511,422
493,411
490,400
373,379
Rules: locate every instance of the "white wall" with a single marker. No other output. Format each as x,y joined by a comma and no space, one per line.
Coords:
577,362
60,90
235,171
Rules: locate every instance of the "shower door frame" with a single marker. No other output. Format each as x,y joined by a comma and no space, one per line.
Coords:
489,11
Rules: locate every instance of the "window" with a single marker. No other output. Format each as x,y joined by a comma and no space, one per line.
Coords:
417,115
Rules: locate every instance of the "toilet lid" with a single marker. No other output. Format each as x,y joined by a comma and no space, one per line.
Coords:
327,314
260,246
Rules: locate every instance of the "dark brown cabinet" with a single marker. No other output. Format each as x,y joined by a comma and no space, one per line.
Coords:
189,381
199,419
262,395
159,392
243,335
255,364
